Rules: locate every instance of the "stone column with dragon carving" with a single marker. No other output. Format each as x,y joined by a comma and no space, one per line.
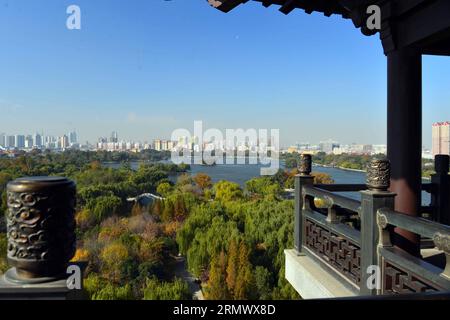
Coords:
376,197
41,232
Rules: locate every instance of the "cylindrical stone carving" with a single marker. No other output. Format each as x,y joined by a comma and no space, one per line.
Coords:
305,164
379,175
40,228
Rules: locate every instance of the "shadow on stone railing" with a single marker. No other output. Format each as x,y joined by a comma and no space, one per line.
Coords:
41,240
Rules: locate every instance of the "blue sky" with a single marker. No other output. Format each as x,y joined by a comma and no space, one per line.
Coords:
145,68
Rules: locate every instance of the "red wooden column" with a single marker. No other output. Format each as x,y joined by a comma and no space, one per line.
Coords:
404,137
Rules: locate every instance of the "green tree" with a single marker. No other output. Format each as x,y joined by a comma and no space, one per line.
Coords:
112,292
263,283
176,290
217,287
203,181
244,279
164,189
322,178
232,266
104,206
168,211
227,191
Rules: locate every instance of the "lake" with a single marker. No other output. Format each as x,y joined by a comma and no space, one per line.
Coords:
240,173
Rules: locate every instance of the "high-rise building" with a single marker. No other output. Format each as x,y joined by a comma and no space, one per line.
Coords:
170,145
114,137
328,146
441,138
64,142
2,140
20,141
73,138
10,141
37,140
157,144
29,142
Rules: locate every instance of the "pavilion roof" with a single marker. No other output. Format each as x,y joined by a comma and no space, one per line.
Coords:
420,24
327,7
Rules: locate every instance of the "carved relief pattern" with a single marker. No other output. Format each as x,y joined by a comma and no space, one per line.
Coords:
442,242
379,174
41,226
339,252
399,281
305,165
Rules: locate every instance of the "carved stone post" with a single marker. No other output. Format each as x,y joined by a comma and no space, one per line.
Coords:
40,230
376,197
440,197
302,179
442,242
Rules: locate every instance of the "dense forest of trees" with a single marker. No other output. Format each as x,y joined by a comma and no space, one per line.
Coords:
128,250
233,238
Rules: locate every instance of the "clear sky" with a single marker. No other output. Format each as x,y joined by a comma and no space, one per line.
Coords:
147,67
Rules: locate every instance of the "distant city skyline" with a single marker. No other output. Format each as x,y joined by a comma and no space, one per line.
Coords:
114,137
145,68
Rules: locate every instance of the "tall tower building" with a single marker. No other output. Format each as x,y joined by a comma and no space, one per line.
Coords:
20,141
2,140
73,138
37,140
64,142
10,141
28,142
441,138
114,137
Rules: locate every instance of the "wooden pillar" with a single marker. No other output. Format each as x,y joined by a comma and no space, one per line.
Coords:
404,137
440,197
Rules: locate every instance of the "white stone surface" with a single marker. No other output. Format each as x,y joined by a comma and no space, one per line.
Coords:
310,280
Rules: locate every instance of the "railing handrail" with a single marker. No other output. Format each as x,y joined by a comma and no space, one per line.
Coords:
343,187
423,227
318,226
339,228
335,199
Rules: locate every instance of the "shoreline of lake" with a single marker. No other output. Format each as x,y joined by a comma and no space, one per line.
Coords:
354,170
241,173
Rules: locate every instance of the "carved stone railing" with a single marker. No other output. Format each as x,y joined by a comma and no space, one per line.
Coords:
41,237
403,273
342,234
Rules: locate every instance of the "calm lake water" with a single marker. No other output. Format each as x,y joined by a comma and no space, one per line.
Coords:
240,173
